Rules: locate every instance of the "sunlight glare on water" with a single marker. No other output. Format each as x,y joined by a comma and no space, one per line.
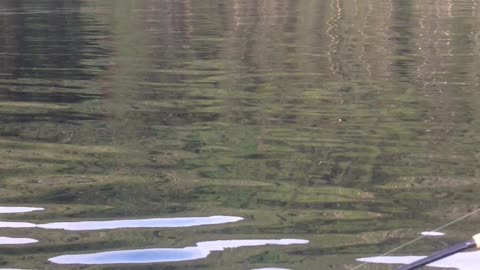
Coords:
201,250
123,224
460,261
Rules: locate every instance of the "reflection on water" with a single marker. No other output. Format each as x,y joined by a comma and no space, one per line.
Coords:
271,268
353,124
12,209
16,241
461,261
201,250
124,224
11,224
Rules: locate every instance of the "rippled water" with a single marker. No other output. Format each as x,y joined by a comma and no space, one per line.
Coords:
347,126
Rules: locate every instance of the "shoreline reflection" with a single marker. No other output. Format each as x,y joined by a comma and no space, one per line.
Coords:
157,255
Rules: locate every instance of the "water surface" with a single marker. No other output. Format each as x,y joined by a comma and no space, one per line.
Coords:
351,124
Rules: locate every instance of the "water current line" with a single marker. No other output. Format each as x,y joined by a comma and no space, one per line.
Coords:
421,237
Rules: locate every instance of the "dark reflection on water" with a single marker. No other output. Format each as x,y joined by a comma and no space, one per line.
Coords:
48,97
351,124
46,40
58,116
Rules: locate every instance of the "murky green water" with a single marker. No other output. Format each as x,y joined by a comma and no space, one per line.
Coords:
352,125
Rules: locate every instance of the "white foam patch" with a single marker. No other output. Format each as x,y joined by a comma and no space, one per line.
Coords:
12,209
201,250
16,241
461,261
432,233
